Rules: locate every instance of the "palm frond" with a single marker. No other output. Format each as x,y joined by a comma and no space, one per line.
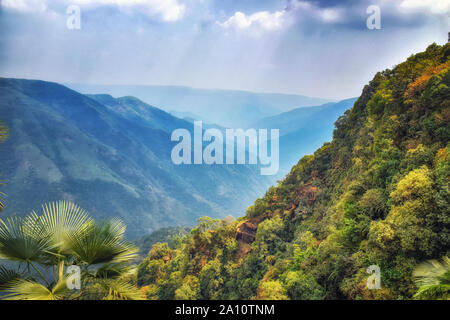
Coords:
18,243
115,270
58,221
2,199
22,289
102,243
63,234
433,279
120,290
6,276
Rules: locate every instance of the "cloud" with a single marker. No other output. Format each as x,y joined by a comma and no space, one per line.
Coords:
435,6
329,14
264,19
25,5
166,10
276,20
121,48
320,12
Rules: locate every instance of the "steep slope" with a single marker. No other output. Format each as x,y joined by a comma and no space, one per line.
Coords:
227,108
306,117
377,195
64,145
303,130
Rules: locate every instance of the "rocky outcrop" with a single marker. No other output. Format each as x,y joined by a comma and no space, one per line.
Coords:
246,232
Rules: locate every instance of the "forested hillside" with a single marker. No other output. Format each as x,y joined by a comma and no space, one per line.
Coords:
110,156
377,194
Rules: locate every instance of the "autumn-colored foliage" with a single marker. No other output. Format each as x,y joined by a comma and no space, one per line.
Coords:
377,194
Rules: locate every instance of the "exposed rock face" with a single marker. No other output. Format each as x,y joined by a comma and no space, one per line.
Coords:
246,232
245,235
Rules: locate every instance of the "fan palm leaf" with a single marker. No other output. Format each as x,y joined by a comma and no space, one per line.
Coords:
2,198
22,289
22,244
102,243
61,235
6,276
433,279
115,270
58,221
121,290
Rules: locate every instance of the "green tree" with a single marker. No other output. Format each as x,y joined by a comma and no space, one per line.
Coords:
189,290
272,290
300,286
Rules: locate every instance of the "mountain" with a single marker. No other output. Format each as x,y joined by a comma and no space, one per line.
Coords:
187,115
139,112
110,156
303,130
232,109
352,221
190,117
312,117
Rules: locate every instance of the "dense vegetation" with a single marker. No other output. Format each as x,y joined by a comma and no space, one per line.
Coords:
169,235
378,194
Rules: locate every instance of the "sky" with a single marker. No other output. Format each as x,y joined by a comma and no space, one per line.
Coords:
320,48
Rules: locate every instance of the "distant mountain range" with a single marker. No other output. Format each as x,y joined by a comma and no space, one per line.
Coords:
303,130
112,157
305,123
227,108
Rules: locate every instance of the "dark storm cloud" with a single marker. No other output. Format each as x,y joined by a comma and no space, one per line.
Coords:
353,14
